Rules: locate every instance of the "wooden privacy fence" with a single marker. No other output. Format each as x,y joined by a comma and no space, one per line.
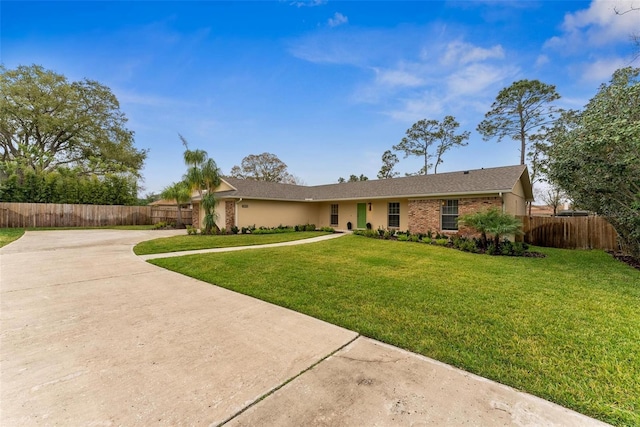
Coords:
170,214
586,232
14,215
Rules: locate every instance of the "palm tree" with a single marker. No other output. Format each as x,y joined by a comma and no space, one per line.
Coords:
203,175
180,193
492,222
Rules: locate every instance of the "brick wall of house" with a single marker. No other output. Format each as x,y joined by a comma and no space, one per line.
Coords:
195,215
424,215
230,214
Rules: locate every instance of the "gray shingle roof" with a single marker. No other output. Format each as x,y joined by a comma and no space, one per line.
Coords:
478,181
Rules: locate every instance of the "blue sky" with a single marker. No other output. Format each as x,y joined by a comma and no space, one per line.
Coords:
326,86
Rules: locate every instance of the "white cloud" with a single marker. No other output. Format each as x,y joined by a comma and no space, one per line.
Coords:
602,70
542,60
413,109
338,19
476,78
310,3
598,25
398,78
459,52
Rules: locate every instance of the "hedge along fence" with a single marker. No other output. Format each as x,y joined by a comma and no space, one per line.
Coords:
587,232
13,215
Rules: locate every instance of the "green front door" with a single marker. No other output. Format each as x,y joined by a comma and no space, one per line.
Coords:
362,215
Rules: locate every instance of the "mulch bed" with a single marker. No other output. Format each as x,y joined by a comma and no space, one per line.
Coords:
633,262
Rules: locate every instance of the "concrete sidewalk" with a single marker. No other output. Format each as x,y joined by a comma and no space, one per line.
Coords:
93,335
242,248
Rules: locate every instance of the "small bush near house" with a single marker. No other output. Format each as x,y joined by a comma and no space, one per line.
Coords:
328,229
248,230
191,230
273,230
235,229
402,237
462,243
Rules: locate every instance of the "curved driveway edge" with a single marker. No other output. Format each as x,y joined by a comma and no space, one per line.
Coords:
93,335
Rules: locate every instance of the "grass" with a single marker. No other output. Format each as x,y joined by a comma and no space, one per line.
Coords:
565,327
189,243
8,235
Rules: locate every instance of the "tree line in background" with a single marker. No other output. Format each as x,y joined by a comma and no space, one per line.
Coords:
64,142
67,142
591,157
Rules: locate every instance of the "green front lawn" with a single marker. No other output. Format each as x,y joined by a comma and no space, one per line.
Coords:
190,243
565,327
8,235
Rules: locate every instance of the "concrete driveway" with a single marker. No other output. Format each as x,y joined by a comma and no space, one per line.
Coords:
92,335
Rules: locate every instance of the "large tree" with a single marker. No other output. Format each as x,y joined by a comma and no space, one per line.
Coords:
519,112
417,141
597,159
263,167
47,121
202,176
447,139
389,160
424,133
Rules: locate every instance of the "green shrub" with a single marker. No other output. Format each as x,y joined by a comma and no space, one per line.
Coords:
191,230
159,226
427,240
234,229
371,234
403,237
442,242
415,238
310,227
275,230
328,229
492,249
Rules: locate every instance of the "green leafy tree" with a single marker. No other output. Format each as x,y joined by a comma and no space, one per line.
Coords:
492,222
519,112
203,176
47,122
447,139
64,185
424,133
389,161
353,178
596,160
263,167
417,141
180,193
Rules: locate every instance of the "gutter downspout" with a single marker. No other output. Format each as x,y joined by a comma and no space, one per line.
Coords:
503,206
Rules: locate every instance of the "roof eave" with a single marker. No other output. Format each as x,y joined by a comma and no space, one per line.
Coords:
404,196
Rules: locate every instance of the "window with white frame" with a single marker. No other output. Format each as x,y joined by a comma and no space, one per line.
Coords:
394,215
449,215
334,215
